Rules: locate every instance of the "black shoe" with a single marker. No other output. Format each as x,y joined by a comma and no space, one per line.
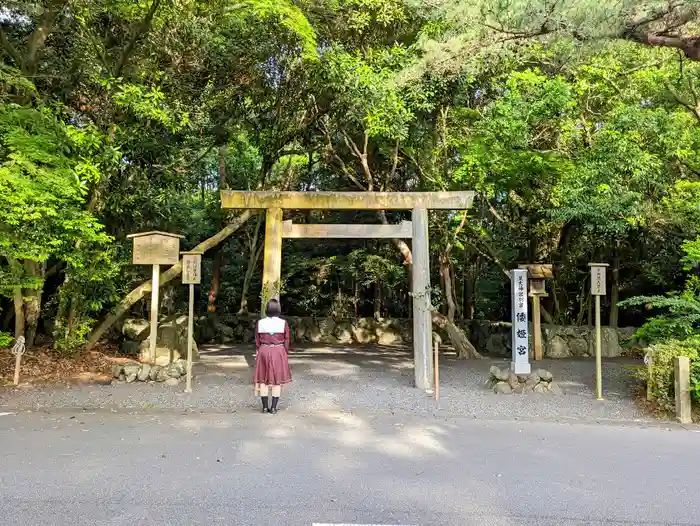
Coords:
273,409
264,404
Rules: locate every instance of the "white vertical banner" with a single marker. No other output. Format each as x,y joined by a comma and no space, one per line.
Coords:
520,363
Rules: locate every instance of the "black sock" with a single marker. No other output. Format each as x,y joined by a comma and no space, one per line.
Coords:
264,402
275,399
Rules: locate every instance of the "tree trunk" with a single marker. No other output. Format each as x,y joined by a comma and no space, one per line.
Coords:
32,313
254,255
469,296
461,343
247,280
548,318
17,273
18,301
32,300
215,282
459,340
216,264
559,294
446,273
356,298
173,272
443,286
377,301
614,292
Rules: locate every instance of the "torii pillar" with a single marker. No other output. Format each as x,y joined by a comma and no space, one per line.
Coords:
419,202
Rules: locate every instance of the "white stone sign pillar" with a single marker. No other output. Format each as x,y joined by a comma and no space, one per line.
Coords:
520,363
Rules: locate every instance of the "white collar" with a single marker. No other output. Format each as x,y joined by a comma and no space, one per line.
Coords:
272,325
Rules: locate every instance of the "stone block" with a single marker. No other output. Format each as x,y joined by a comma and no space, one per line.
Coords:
144,373
164,355
499,374
136,329
343,332
544,375
513,380
362,335
502,388
540,388
609,343
557,348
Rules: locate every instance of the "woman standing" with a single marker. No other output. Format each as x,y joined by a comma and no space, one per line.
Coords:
271,363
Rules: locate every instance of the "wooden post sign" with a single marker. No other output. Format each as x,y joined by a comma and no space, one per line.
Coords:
537,274
155,248
191,275
597,290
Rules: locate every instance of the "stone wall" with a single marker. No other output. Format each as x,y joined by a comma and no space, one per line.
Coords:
329,331
489,338
172,339
557,341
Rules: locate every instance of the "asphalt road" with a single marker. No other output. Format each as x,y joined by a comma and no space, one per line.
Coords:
332,467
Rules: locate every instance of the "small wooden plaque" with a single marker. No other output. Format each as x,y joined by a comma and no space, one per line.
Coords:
191,269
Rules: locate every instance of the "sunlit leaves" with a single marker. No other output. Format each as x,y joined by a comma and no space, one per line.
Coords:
289,15
41,194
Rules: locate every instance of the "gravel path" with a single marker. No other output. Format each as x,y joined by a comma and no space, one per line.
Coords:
367,379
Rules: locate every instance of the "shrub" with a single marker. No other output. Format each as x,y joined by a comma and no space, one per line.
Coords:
6,339
682,317
661,378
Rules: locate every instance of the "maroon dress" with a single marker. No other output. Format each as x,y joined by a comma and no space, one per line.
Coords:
272,343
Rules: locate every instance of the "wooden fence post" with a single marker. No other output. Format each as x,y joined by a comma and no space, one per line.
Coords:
648,360
682,389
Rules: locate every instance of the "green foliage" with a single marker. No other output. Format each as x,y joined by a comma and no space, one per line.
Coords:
43,184
366,89
661,376
131,116
291,17
6,340
148,103
682,319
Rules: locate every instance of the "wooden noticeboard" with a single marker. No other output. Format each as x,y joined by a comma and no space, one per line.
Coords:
156,248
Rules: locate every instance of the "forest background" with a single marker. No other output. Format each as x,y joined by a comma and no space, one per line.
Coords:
577,124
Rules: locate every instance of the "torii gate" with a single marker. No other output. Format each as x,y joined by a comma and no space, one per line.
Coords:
416,230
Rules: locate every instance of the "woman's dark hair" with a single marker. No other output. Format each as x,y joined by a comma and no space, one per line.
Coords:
273,309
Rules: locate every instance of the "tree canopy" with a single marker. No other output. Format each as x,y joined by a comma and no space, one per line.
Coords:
577,124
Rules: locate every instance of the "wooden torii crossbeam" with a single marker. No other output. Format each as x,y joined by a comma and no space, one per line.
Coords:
417,230
403,230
